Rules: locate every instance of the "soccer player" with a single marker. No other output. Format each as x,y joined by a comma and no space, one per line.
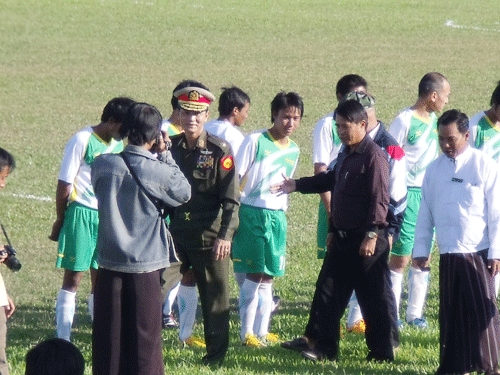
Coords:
415,130
260,242
485,135
76,205
234,104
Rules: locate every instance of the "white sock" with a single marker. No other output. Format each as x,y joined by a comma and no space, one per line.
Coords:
65,311
240,278
397,286
187,299
91,306
354,314
249,300
418,282
169,301
497,283
264,308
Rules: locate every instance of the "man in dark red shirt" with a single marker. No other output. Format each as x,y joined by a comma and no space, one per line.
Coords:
357,244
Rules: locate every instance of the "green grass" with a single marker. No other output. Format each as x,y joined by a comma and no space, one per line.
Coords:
62,60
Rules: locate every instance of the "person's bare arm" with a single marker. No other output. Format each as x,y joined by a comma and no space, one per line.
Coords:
62,194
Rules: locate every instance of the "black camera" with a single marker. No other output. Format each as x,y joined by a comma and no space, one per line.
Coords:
11,261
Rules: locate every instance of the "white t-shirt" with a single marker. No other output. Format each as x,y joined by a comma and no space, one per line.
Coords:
79,154
227,131
262,162
326,142
418,138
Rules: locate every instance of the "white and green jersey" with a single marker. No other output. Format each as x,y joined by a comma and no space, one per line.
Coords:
485,136
168,127
261,162
418,138
79,154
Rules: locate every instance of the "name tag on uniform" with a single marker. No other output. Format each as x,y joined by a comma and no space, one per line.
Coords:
457,180
205,162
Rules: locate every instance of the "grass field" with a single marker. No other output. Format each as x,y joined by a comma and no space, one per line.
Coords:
62,60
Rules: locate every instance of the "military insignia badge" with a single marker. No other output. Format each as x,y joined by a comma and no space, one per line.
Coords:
205,162
227,163
194,96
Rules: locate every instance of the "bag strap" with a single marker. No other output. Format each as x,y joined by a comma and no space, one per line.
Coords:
141,186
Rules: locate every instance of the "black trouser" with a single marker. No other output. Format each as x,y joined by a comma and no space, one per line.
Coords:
343,271
126,337
212,279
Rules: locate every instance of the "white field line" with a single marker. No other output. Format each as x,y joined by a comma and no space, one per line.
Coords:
451,23
30,196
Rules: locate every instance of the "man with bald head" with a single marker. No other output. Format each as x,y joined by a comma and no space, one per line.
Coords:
415,130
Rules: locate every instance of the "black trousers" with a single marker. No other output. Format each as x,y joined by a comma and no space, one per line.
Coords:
212,278
126,337
468,315
343,271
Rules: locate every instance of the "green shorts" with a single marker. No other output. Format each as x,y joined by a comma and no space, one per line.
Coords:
322,230
78,237
259,244
404,245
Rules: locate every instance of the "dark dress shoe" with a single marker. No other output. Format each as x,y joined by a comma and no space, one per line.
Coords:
299,344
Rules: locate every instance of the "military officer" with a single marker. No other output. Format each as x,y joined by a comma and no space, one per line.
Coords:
203,228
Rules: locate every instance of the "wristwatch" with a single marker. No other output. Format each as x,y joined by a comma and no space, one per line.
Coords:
372,235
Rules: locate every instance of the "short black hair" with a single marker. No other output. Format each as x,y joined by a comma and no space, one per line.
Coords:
55,357
116,109
6,160
142,124
186,83
431,82
285,100
495,97
348,83
454,116
232,97
352,111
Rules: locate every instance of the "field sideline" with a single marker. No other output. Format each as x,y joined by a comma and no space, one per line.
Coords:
62,60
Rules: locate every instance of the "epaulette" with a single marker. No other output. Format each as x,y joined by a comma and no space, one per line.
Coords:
219,142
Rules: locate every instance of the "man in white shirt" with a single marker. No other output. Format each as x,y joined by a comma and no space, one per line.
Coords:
460,200
234,104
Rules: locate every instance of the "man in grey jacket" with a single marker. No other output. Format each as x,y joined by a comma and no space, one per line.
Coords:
132,189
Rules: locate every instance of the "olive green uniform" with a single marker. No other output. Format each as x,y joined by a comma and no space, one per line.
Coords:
211,213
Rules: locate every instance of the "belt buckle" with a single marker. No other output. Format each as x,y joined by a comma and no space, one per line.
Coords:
187,216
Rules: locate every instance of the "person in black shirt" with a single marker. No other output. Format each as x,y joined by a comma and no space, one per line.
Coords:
357,243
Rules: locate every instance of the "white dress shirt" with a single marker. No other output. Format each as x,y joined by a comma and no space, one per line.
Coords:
461,199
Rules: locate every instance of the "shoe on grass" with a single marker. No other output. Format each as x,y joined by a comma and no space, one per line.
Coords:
253,342
194,342
299,344
168,321
270,339
358,327
419,323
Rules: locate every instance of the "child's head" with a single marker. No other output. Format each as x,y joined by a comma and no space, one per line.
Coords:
55,357
286,111
7,164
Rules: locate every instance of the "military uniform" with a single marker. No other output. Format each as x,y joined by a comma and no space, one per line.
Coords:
211,213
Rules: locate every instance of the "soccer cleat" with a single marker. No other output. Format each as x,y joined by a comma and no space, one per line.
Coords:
168,321
253,342
358,327
194,342
419,323
270,339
